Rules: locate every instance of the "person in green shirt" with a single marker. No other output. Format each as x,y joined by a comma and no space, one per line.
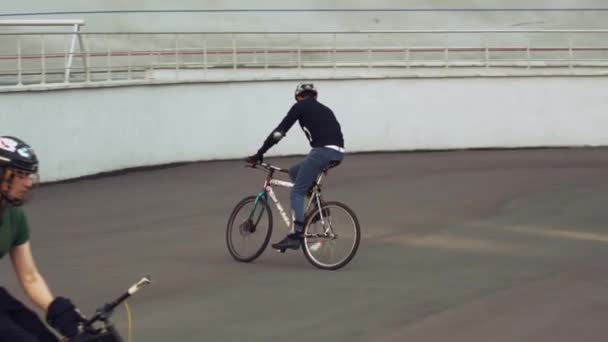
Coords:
18,173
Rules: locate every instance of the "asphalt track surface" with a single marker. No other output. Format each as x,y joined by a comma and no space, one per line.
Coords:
506,245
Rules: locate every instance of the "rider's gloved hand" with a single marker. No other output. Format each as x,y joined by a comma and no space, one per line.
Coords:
254,159
64,317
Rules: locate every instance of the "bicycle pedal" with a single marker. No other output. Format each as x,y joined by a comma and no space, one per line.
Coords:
280,250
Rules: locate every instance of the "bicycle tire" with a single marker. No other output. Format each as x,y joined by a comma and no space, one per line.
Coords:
230,228
327,207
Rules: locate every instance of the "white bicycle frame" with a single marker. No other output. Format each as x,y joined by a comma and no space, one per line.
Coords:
285,184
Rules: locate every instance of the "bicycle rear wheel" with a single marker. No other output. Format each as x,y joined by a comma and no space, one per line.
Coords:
249,228
331,236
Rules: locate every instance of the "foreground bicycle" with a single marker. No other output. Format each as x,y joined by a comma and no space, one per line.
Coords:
99,328
331,229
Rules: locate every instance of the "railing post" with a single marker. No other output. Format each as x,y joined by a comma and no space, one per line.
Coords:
446,52
87,64
83,49
334,57
65,56
176,39
108,58
266,52
299,42
369,51
43,59
233,52
129,57
570,53
148,65
487,56
68,65
204,44
19,66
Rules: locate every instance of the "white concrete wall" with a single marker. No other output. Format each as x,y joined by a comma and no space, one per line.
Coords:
86,131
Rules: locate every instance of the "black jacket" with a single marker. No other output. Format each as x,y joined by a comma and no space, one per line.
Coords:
317,121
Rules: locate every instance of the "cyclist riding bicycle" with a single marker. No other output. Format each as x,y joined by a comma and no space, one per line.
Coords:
325,137
18,173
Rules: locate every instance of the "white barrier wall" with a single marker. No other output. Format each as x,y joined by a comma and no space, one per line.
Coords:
85,131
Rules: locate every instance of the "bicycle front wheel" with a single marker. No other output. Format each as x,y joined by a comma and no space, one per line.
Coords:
249,228
331,236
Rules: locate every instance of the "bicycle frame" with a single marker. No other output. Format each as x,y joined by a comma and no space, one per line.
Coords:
268,190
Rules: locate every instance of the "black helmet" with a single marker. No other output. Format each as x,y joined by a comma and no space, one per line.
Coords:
305,88
16,154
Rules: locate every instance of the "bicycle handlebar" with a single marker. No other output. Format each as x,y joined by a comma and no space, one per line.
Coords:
106,310
267,166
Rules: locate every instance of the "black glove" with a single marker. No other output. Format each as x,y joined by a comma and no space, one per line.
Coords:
64,317
254,159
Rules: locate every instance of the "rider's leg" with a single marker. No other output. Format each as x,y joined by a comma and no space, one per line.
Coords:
293,175
12,332
20,324
307,171
293,171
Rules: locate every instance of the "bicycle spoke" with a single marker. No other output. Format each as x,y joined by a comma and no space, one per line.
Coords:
331,241
249,229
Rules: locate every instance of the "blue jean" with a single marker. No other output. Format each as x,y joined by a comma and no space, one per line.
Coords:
303,175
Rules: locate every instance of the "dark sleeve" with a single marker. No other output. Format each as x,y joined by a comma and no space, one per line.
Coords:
292,116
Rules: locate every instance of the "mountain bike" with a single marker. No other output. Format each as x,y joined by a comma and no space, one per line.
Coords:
331,229
99,328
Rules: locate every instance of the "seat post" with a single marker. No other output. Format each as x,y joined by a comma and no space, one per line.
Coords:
320,178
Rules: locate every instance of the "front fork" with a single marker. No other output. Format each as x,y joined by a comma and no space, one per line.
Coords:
250,224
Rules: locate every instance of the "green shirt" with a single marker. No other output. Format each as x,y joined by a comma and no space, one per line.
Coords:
14,230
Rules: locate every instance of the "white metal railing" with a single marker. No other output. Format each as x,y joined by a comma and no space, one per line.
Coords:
74,23
111,57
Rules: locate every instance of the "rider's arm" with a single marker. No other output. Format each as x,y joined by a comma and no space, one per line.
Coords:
30,279
292,116
61,313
